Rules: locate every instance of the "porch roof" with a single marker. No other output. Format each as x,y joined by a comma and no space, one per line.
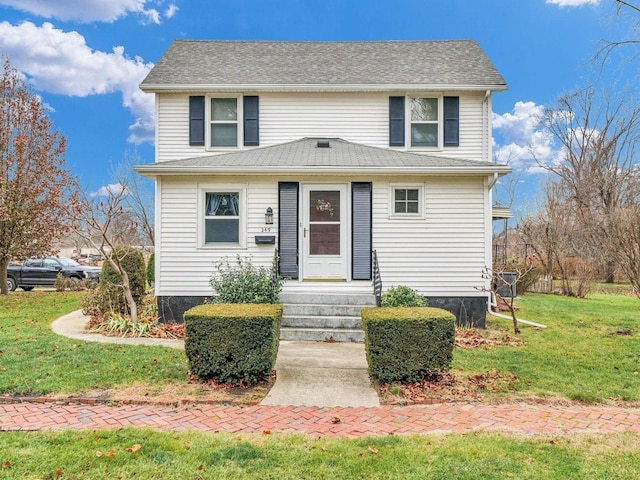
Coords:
304,156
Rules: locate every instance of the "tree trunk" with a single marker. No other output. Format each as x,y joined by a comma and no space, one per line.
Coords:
4,263
611,272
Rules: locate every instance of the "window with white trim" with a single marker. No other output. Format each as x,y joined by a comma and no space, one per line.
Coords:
222,217
406,200
223,130
425,119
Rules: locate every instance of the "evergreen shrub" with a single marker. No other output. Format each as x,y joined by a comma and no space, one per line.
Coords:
111,281
243,282
408,344
232,343
402,296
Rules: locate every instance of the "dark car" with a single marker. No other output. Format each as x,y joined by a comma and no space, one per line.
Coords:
36,272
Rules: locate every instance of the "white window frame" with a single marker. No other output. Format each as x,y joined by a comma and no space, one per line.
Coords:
392,200
203,189
440,122
239,121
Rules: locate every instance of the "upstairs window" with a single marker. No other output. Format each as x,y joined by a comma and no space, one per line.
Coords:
224,122
424,122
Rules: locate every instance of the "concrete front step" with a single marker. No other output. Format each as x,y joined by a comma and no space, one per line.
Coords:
319,321
317,309
326,316
321,334
328,299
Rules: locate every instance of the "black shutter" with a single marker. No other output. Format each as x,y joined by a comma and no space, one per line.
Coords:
396,121
196,121
288,229
361,231
451,121
251,125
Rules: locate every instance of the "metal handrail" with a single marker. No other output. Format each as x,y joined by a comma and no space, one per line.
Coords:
377,279
274,279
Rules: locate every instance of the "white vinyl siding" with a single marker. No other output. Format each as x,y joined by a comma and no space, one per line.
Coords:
356,117
184,268
441,253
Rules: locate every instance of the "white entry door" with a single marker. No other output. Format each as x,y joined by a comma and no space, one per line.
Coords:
324,232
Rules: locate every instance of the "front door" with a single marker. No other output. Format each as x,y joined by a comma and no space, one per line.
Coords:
324,235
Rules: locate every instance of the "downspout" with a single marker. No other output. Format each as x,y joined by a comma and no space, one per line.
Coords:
493,303
492,181
485,126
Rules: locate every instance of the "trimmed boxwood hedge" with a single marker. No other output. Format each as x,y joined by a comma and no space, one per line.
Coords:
407,344
232,343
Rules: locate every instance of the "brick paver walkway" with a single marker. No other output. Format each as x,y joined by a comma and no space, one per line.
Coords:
331,422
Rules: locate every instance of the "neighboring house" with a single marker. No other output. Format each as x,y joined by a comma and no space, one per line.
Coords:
353,147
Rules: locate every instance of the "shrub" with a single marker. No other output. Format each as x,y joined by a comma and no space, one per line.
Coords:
232,343
64,283
110,280
408,344
97,303
402,296
151,269
244,283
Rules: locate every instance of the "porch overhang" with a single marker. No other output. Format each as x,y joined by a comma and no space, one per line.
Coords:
303,156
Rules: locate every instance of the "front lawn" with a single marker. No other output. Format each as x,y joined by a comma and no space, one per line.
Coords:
589,352
134,453
36,361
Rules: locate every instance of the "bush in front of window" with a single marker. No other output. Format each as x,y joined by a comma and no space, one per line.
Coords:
402,296
243,282
232,343
408,344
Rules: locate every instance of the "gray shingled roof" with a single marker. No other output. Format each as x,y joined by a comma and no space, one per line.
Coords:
200,64
304,156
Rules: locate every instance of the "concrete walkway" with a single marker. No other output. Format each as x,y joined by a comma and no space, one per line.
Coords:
308,373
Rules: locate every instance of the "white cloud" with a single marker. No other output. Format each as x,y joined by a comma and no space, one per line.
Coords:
110,189
524,142
573,3
90,10
61,62
171,11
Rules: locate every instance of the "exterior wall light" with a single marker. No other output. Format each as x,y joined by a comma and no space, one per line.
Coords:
268,216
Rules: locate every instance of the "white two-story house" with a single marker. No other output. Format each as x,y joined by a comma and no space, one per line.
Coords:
322,153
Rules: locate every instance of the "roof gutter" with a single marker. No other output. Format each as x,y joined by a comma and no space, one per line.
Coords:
155,170
158,87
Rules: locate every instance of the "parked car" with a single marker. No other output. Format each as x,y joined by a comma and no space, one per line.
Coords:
36,272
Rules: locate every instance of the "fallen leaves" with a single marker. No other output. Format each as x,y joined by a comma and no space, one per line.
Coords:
6,464
475,338
111,453
335,420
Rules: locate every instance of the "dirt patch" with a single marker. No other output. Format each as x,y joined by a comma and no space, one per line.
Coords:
192,392
476,338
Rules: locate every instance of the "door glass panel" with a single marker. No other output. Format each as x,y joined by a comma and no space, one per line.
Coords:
324,206
324,222
324,239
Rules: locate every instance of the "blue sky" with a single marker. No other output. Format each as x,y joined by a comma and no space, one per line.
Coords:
85,58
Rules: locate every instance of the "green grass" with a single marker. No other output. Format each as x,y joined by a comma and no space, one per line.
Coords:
72,454
579,356
36,361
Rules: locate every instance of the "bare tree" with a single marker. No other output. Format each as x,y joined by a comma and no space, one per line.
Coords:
598,136
99,219
35,188
627,11
139,202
